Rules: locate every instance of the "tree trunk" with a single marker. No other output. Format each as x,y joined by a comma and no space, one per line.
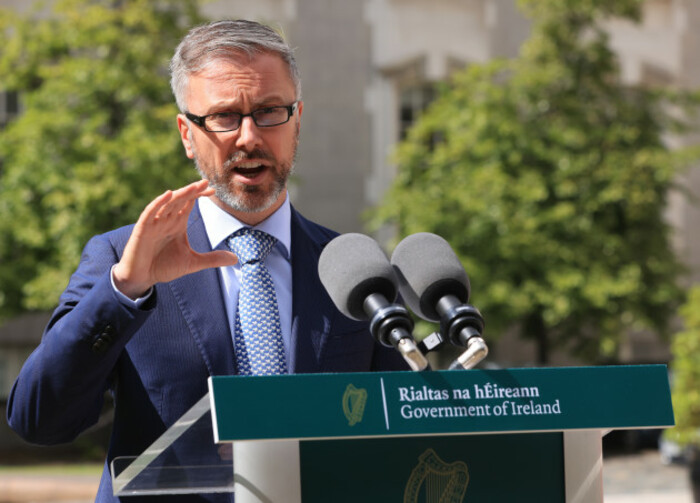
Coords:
536,329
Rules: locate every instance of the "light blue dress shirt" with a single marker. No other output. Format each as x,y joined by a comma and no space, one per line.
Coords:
219,225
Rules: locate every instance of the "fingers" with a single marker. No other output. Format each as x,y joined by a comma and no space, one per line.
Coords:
158,249
149,213
183,199
175,202
177,207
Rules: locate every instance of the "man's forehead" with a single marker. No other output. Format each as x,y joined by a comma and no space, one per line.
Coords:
228,82
269,70
241,59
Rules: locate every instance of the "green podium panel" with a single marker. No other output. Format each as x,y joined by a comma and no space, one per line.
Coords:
440,402
492,468
527,435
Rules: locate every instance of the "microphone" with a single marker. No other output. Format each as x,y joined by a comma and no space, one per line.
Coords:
362,284
435,286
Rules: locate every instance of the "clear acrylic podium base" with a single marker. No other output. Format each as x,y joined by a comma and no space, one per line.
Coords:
184,460
154,480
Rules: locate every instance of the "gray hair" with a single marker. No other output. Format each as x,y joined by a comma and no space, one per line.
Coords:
224,40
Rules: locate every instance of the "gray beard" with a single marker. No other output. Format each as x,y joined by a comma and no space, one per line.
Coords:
240,202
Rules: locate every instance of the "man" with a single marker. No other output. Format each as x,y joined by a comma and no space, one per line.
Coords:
153,309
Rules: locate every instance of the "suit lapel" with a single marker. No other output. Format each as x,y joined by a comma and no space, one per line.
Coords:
310,322
200,299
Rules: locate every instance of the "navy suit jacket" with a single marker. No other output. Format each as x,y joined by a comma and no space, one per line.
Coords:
155,360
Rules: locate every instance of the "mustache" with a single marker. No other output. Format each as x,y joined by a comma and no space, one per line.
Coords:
241,155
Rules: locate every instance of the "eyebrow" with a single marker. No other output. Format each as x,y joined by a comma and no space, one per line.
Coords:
272,100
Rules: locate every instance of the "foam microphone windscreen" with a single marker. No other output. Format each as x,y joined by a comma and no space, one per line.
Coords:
352,267
428,269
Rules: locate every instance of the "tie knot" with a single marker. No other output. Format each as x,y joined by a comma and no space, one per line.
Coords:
251,245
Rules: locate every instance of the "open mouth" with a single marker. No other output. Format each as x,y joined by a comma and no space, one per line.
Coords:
249,169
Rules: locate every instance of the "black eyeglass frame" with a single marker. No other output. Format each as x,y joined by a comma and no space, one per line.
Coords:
200,120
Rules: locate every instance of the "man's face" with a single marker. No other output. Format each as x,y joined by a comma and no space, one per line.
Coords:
248,167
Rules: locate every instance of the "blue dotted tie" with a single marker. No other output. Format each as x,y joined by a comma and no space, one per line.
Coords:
258,333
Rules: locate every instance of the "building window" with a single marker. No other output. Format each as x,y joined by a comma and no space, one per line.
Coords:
413,102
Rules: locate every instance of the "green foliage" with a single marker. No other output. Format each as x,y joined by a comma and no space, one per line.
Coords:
549,178
686,374
96,139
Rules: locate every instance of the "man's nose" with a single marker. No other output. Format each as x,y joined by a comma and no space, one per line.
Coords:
248,135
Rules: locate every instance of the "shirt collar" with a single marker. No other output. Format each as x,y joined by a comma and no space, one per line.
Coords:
219,224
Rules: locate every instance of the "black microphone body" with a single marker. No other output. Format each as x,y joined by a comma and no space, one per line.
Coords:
362,284
389,323
459,321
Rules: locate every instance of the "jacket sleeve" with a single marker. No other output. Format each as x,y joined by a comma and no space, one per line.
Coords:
60,389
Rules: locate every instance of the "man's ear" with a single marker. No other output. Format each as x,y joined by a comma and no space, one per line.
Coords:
300,110
184,128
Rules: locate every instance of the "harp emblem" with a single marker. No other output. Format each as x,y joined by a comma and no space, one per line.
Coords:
436,481
354,400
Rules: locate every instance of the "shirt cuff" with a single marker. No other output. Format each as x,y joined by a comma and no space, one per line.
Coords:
126,300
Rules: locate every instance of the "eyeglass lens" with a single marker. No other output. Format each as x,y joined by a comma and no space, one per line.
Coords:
265,117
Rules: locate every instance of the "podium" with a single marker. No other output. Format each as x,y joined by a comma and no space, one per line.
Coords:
526,435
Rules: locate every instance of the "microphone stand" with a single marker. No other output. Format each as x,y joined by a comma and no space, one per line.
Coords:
391,325
461,324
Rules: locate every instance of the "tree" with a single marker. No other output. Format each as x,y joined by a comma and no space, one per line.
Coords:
549,178
686,374
96,139
686,387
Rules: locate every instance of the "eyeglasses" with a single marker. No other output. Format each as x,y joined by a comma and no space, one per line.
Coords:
222,122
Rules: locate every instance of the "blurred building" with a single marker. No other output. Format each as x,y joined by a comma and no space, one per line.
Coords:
369,67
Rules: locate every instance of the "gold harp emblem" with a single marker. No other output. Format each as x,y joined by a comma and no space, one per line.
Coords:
354,400
437,481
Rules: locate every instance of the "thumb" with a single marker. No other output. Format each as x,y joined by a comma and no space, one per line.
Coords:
217,258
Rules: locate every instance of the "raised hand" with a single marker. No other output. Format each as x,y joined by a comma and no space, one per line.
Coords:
158,249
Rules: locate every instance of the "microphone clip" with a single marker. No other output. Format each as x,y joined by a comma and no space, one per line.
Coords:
462,325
